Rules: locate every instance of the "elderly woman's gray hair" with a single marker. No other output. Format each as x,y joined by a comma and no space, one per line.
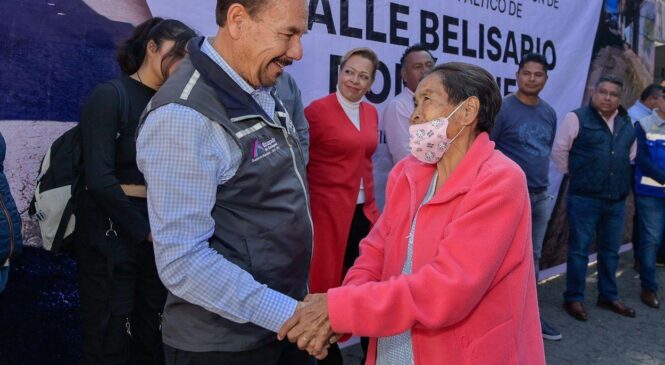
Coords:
464,80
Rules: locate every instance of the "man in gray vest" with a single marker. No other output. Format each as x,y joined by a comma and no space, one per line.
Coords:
594,145
228,205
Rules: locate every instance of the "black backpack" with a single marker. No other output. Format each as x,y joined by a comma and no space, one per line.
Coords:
59,182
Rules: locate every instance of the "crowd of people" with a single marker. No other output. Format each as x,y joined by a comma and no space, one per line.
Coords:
223,222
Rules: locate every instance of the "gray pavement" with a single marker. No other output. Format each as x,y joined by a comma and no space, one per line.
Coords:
606,338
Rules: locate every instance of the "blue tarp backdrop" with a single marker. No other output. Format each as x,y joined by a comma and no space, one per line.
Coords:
52,53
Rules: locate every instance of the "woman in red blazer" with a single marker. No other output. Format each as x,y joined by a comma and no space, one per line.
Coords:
343,137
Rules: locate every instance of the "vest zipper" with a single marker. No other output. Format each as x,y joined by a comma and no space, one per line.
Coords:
304,189
285,131
5,211
111,230
295,168
128,327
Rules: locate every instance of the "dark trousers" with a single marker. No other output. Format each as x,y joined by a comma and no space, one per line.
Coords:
636,219
360,226
121,296
591,218
636,223
274,353
652,231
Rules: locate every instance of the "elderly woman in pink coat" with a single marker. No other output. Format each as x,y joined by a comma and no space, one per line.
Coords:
445,276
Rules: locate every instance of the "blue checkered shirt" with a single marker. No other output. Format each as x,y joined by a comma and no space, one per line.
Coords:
184,156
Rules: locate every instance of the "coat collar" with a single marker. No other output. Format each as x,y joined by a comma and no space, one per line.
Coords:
419,174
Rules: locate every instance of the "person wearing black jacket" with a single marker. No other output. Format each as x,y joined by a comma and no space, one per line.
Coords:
121,296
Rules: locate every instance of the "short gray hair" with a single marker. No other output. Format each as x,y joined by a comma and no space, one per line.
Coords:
464,80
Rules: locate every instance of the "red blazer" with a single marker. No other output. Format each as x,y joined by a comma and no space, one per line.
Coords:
471,298
339,155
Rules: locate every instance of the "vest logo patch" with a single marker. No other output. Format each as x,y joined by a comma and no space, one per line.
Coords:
261,149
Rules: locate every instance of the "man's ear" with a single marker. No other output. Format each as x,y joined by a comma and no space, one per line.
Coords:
237,18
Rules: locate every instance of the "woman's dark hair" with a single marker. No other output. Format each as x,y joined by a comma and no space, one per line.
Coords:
131,52
462,81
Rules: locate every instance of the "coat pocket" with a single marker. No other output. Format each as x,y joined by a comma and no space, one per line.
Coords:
497,346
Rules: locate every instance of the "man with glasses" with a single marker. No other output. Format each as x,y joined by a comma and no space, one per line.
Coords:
594,146
650,196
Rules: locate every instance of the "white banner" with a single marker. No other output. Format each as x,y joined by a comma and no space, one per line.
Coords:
489,33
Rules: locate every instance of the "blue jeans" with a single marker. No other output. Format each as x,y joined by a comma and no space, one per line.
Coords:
651,228
540,216
586,217
4,275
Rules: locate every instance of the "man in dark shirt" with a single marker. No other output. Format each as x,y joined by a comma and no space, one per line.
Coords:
524,131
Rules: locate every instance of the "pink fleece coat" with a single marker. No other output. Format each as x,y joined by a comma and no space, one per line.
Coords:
471,298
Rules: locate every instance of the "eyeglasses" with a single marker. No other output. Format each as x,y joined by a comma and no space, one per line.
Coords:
610,94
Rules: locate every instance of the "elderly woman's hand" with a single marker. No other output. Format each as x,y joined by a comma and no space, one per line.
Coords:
309,326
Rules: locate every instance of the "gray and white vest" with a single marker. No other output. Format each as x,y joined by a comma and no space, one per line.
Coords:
262,215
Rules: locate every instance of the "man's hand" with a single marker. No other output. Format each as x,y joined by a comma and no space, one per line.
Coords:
309,326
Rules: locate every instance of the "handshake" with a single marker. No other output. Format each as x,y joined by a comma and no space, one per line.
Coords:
309,326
